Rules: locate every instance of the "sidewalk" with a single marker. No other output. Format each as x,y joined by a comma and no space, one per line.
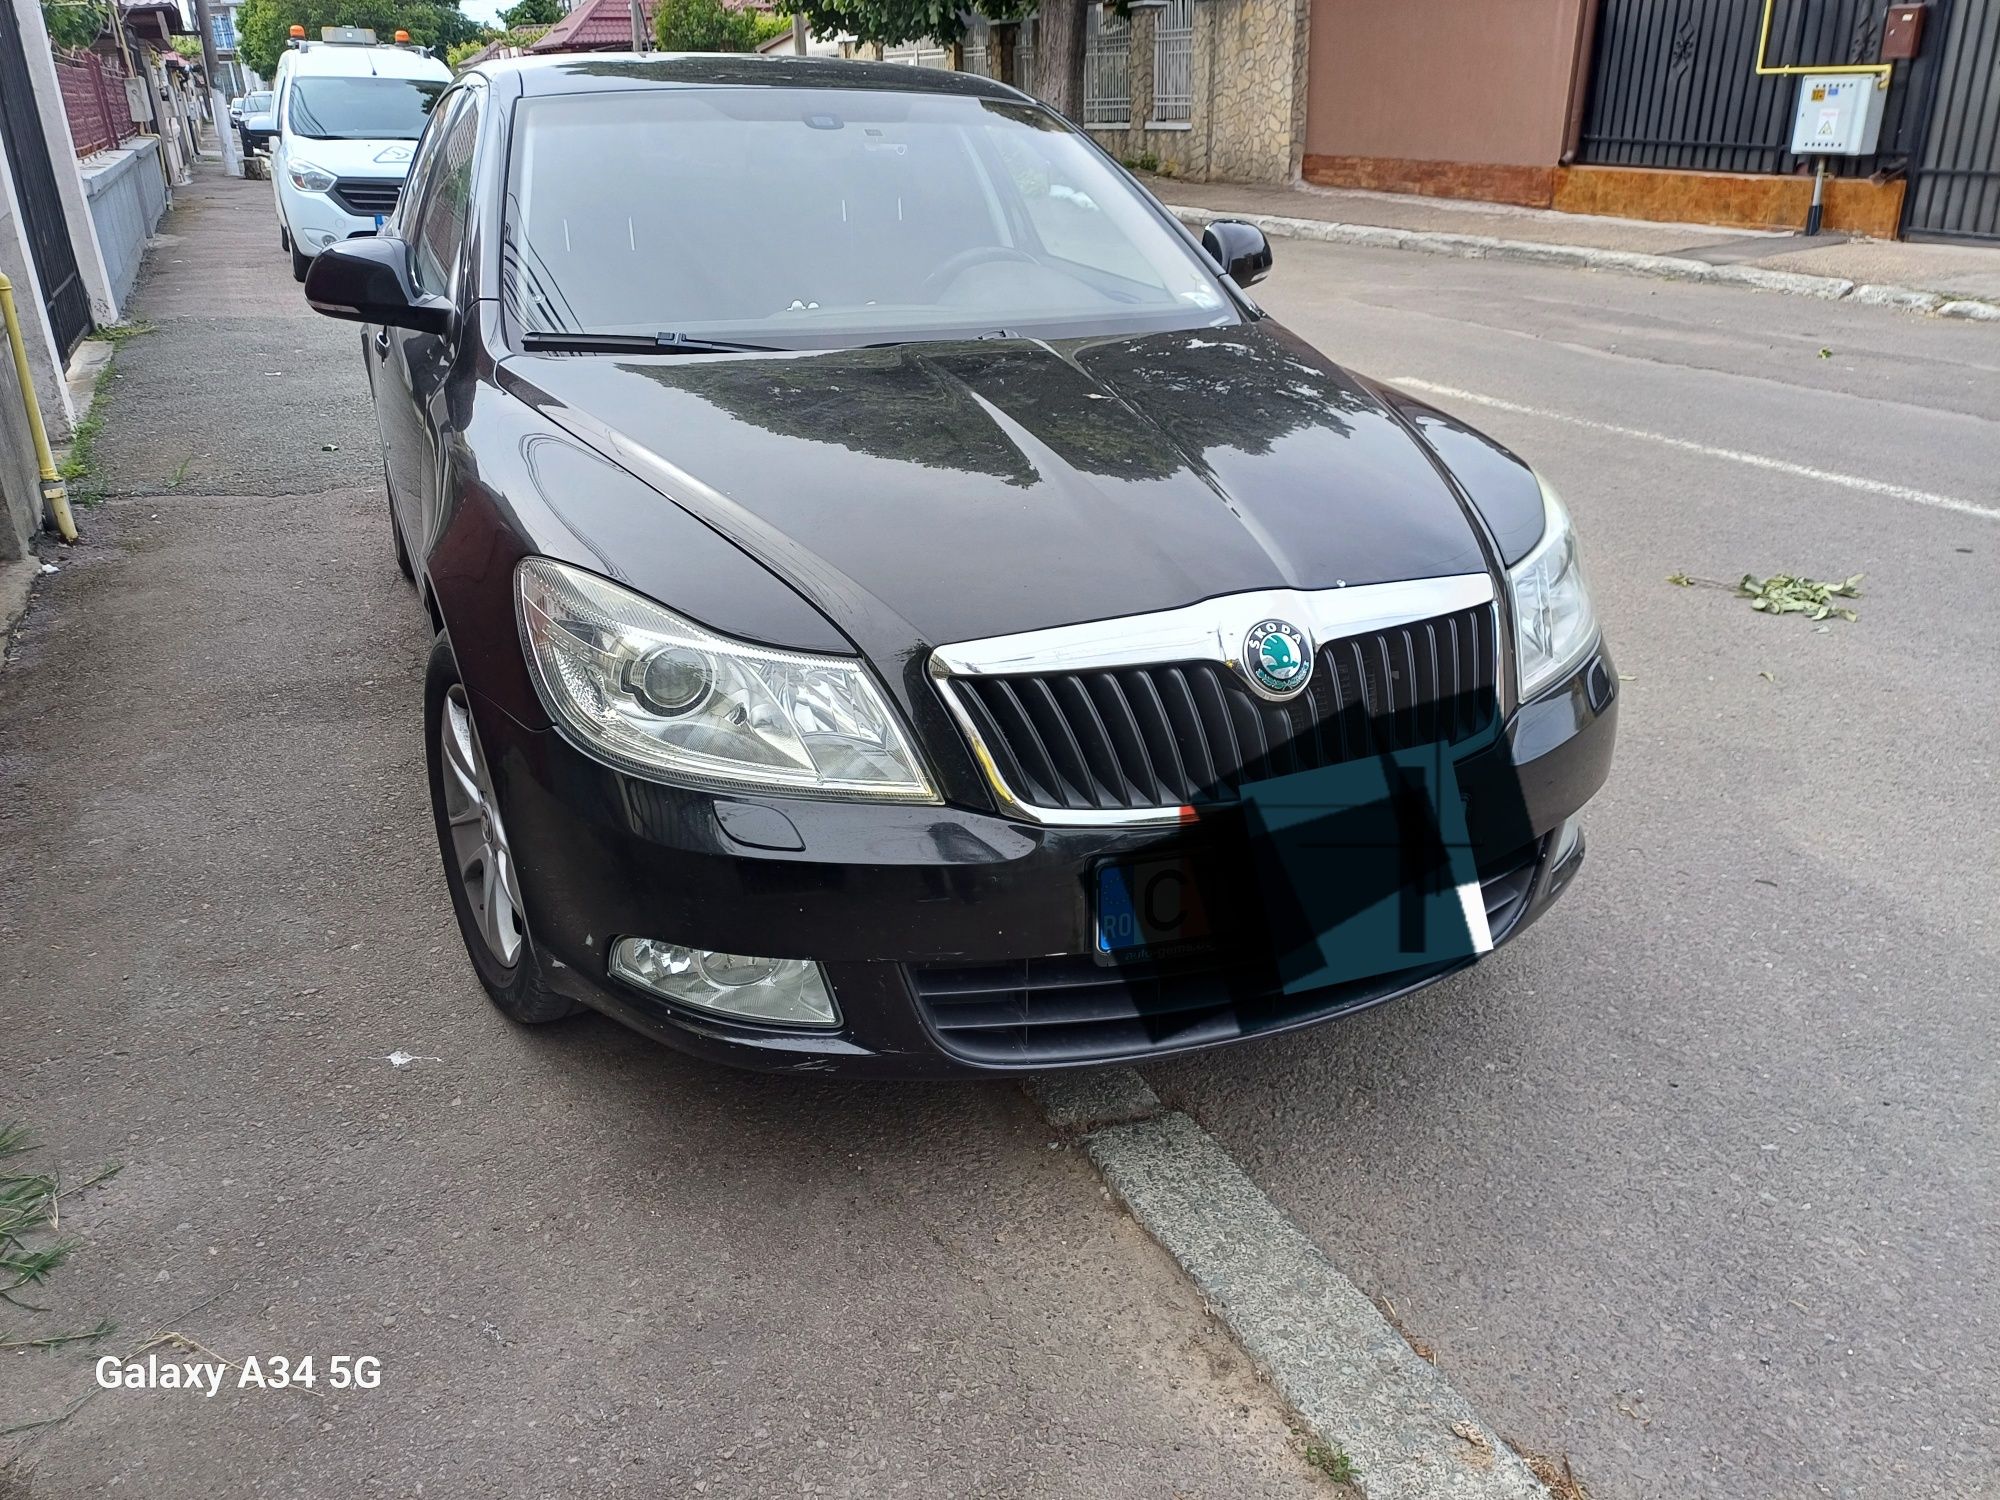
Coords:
1950,280
586,1264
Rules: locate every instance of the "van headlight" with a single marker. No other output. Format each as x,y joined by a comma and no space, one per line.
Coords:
1554,623
308,178
661,696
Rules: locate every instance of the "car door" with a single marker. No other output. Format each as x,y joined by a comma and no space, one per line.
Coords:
407,368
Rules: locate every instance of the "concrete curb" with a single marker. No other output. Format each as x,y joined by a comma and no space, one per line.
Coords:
1333,1357
1585,257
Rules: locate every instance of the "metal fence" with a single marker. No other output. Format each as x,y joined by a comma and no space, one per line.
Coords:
26,158
1674,84
94,99
1173,63
1954,188
923,54
977,54
1107,72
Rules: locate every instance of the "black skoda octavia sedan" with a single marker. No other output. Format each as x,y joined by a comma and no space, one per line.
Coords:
902,608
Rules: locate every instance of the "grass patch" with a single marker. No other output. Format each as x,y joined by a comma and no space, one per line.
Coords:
81,458
79,463
32,1245
1332,1462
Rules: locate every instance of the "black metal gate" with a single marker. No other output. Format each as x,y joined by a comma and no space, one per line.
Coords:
1673,83
63,291
1954,190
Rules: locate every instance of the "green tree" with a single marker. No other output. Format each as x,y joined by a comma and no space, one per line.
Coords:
262,25
73,23
532,13
705,26
1059,38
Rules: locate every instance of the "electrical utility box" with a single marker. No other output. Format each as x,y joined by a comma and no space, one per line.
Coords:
1840,114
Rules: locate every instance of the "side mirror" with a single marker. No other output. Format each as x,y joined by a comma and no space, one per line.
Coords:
1240,249
368,281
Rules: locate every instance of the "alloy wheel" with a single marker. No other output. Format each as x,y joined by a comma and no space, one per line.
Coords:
478,837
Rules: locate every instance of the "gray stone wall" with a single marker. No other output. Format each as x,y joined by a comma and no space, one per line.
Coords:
127,190
1248,120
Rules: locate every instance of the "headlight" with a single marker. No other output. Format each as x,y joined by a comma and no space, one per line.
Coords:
661,696
308,178
1554,623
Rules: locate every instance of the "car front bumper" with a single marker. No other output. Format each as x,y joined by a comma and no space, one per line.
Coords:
316,221
935,925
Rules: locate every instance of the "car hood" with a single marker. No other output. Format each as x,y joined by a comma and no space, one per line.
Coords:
939,492
354,158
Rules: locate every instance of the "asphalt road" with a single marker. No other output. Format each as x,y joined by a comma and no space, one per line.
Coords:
587,1265
1697,1181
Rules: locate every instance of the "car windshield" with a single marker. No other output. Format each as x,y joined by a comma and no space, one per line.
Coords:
812,218
363,109
256,104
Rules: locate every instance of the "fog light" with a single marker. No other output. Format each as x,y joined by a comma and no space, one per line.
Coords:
777,991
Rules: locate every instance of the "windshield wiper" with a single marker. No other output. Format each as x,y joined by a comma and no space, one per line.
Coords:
943,338
640,343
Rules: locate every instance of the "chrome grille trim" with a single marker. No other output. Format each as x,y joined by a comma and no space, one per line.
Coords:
1211,631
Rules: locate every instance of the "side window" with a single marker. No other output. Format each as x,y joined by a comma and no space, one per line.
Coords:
438,229
417,180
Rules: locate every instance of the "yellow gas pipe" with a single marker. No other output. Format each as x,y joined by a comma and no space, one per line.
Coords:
1778,70
55,494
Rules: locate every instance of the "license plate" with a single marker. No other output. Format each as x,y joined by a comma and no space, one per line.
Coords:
1150,909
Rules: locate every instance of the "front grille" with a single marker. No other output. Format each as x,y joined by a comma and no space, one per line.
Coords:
1071,1009
368,196
1185,732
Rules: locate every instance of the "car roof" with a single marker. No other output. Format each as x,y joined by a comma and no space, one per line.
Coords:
598,72
328,60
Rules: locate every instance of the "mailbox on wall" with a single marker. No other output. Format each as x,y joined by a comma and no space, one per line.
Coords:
1903,33
1840,114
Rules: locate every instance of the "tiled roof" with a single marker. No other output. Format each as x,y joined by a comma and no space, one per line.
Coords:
594,26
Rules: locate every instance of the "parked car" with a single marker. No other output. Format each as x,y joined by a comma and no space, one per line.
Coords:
257,122
349,112
236,110
886,571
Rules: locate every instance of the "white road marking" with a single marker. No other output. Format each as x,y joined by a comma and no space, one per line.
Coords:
1706,450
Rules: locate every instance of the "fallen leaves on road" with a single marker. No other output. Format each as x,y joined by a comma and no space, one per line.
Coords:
1785,593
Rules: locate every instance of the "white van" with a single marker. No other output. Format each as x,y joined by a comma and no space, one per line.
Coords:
349,112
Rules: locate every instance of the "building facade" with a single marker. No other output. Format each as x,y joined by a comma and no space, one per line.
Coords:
1662,109
1649,109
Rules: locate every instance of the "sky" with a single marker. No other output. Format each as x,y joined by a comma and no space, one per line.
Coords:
485,12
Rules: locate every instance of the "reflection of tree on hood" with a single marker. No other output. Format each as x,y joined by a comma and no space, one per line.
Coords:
874,401
1130,408
1224,387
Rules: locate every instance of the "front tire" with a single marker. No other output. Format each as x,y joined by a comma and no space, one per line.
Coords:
479,864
